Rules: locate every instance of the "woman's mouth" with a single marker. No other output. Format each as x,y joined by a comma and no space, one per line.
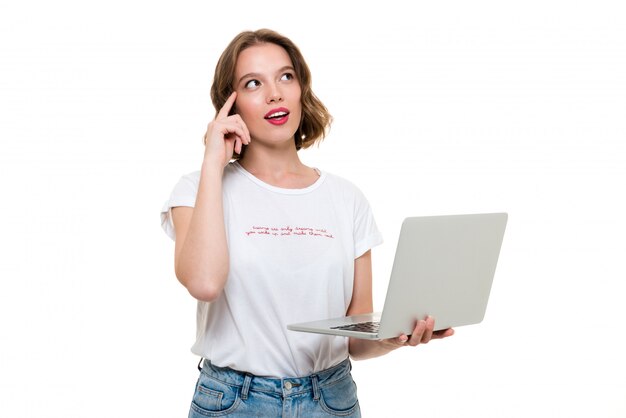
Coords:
277,116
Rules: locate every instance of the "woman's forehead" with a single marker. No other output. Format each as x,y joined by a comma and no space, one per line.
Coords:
262,58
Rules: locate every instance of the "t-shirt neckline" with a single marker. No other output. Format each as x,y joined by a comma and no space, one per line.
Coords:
276,189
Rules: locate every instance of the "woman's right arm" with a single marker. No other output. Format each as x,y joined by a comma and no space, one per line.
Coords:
201,251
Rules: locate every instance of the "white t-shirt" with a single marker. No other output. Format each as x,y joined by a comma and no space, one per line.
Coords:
292,255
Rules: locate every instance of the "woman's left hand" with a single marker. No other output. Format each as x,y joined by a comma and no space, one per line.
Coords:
422,334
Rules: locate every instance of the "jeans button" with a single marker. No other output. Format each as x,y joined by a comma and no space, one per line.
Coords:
288,385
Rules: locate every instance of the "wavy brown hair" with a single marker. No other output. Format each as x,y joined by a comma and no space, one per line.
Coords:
315,120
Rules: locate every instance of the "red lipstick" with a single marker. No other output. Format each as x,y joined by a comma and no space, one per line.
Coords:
277,116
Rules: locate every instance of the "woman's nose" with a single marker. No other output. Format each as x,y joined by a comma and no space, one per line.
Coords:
274,95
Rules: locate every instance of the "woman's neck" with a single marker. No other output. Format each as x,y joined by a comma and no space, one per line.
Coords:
281,168
266,160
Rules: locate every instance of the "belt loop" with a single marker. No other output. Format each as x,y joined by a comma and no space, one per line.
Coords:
316,389
246,387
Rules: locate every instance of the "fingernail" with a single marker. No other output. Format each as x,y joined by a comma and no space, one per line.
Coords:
403,338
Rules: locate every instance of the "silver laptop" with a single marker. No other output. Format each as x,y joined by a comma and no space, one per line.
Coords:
443,267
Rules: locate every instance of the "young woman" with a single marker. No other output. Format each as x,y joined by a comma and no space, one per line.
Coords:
262,240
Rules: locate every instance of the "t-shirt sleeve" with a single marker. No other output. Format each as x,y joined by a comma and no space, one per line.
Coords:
366,233
184,194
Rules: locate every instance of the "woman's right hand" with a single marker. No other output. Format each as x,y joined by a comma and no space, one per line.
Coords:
225,135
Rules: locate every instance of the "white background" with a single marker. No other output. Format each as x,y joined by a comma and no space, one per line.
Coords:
443,107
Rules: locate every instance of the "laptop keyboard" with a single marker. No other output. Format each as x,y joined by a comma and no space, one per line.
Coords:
371,327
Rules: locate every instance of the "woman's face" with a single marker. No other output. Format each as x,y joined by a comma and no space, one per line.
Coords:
268,94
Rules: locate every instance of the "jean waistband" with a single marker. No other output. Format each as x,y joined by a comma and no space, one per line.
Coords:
284,386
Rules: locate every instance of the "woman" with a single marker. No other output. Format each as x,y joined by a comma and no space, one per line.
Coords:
264,240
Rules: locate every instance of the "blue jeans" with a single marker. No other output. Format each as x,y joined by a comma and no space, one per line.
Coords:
226,392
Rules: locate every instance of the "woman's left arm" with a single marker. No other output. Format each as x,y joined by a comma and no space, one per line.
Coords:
362,302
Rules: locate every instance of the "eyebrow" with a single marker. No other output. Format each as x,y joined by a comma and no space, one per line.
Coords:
258,75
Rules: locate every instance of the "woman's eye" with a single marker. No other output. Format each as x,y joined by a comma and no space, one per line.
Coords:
252,83
287,76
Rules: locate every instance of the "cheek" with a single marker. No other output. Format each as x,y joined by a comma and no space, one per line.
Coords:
297,100
300,112
247,109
